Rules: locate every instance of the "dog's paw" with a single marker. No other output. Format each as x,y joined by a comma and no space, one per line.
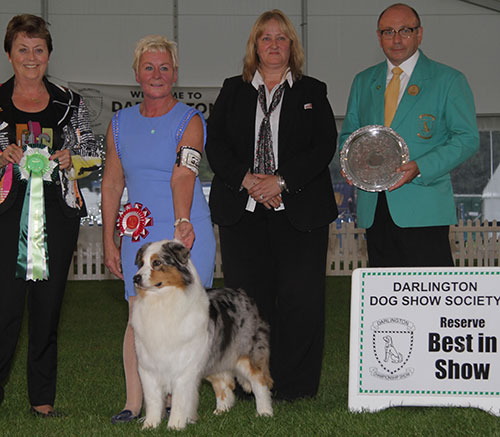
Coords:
176,427
150,424
176,424
265,412
221,410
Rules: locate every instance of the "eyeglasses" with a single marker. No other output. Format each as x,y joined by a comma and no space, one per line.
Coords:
404,32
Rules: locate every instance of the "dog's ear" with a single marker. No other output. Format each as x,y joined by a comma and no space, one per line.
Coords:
178,250
140,254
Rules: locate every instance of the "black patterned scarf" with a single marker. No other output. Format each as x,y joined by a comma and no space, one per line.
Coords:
264,157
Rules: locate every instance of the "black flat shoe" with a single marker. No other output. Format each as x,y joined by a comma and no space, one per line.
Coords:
124,416
52,413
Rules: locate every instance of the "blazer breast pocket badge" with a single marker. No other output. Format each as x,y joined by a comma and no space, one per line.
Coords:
426,126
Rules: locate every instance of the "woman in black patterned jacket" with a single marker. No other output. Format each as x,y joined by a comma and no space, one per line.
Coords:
45,144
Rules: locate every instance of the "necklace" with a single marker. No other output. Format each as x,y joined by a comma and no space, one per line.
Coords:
35,99
155,120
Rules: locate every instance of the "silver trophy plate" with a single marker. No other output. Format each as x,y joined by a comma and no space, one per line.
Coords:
371,155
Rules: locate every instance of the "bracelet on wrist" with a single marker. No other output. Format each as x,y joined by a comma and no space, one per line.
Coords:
281,183
180,220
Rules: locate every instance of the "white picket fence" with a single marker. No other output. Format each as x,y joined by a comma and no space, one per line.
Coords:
474,244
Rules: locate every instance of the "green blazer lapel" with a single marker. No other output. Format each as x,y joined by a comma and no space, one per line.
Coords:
377,89
413,92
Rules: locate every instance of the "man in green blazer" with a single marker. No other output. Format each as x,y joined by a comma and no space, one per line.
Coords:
408,225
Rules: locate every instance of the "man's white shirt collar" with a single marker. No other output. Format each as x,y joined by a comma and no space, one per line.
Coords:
407,66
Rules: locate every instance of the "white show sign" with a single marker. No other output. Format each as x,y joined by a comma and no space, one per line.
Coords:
425,337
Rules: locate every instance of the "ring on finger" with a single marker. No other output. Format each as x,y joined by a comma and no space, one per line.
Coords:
261,197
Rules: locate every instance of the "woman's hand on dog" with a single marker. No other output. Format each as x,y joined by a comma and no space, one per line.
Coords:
184,232
112,259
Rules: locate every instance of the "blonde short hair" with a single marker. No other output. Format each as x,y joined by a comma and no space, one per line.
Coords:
251,61
155,43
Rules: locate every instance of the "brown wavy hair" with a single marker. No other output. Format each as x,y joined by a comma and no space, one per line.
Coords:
31,25
251,61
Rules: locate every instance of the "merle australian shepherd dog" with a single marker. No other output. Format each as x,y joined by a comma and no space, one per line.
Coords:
184,333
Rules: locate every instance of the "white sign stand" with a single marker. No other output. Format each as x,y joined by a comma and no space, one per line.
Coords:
425,337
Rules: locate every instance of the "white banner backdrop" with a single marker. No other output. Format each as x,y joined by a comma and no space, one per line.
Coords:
425,337
104,100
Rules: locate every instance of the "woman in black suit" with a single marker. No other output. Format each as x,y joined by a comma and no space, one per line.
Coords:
271,136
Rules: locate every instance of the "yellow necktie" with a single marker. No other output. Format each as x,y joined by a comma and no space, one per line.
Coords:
391,96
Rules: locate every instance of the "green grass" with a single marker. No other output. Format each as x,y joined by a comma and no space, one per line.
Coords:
91,385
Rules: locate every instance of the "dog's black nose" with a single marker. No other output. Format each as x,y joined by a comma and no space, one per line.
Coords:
137,279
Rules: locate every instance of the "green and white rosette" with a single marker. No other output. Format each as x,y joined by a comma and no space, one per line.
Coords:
33,256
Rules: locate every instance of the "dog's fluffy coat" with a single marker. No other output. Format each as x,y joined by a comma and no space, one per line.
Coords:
184,333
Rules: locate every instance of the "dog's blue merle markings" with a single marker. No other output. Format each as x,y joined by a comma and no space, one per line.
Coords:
264,333
172,254
139,262
223,307
227,316
177,255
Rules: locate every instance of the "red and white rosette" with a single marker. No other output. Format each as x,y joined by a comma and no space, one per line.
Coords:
133,220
